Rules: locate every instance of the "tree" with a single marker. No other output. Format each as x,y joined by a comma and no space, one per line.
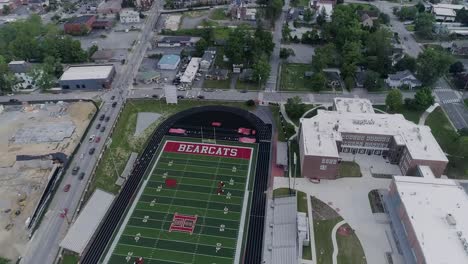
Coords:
117,16
345,26
263,42
462,16
432,64
423,24
286,52
236,45
294,107
420,6
407,13
424,98
372,81
7,79
318,81
406,63
250,102
321,17
261,70
352,55
286,32
384,18
200,47
308,15
457,67
323,57
379,45
394,100
6,9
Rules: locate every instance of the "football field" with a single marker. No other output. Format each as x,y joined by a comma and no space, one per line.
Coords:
191,206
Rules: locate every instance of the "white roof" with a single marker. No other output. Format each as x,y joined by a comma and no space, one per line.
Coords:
191,70
449,6
128,12
427,203
87,72
16,62
353,105
284,246
327,6
438,11
85,226
321,132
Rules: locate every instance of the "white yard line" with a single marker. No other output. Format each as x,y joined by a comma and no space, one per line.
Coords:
335,244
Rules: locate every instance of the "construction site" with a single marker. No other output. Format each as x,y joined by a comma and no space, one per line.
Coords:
35,141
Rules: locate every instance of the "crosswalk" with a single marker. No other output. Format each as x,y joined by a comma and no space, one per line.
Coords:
450,101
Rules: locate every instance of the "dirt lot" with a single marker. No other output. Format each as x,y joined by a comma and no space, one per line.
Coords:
26,130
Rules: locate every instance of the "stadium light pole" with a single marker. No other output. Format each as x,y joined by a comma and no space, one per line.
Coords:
295,169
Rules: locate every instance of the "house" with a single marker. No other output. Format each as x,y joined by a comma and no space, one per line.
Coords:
367,17
101,56
360,78
333,78
129,16
326,5
176,41
24,80
246,75
217,74
207,60
402,78
79,25
459,47
239,10
446,12
110,7
88,77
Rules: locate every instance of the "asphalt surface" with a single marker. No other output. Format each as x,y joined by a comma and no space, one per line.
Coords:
53,227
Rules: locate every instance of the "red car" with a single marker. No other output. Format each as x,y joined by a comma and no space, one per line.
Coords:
138,260
97,139
66,188
64,213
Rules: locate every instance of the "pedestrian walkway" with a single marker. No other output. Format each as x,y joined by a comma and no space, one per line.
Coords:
286,117
335,244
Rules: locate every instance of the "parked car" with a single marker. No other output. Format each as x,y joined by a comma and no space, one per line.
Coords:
91,151
75,170
107,119
91,138
201,97
66,188
103,128
14,100
81,176
97,139
155,96
180,97
114,104
113,97
102,117
98,126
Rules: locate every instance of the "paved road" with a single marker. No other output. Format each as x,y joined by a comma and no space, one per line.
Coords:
275,56
53,227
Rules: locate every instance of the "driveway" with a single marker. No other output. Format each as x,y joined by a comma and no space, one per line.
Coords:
303,53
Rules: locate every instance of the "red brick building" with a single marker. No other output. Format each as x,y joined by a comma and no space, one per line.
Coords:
80,25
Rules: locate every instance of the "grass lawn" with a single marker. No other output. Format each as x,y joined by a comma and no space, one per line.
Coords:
307,107
285,130
219,59
299,3
350,249
323,241
280,192
123,141
240,85
349,169
302,207
410,28
466,102
221,33
218,14
292,77
215,84
195,14
69,259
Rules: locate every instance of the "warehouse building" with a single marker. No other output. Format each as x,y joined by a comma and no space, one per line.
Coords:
79,25
169,62
429,219
191,71
354,128
87,77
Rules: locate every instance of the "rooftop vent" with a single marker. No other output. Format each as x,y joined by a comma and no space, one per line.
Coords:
451,220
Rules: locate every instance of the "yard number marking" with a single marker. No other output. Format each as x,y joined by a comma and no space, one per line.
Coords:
165,175
137,237
129,256
159,188
153,202
145,219
218,247
231,182
228,196
226,210
221,228
234,169
170,163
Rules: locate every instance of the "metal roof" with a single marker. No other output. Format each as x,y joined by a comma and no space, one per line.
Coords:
87,72
83,228
284,246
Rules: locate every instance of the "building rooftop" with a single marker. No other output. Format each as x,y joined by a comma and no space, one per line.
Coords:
323,130
284,246
437,210
169,59
353,105
175,39
80,19
449,6
440,11
87,72
191,70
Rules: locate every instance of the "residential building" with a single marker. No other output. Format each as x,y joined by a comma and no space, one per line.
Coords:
353,127
176,41
169,62
191,71
367,17
402,78
217,74
79,25
88,77
207,61
129,16
446,12
326,5
110,7
459,47
429,219
8,3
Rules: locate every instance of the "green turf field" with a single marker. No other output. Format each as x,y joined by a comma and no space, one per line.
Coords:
146,230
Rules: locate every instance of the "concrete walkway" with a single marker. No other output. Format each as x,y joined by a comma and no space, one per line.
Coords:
335,244
286,117
429,110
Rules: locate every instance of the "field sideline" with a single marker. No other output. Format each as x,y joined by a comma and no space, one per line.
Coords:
192,206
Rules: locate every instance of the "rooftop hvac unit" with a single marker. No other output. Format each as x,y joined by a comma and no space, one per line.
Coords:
451,220
270,248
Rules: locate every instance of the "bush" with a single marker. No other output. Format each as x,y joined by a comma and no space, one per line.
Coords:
250,102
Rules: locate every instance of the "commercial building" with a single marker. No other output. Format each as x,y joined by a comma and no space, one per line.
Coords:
353,127
169,62
429,219
191,71
110,7
446,12
87,77
79,25
129,16
176,41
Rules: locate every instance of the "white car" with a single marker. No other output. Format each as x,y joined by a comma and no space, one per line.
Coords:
91,138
